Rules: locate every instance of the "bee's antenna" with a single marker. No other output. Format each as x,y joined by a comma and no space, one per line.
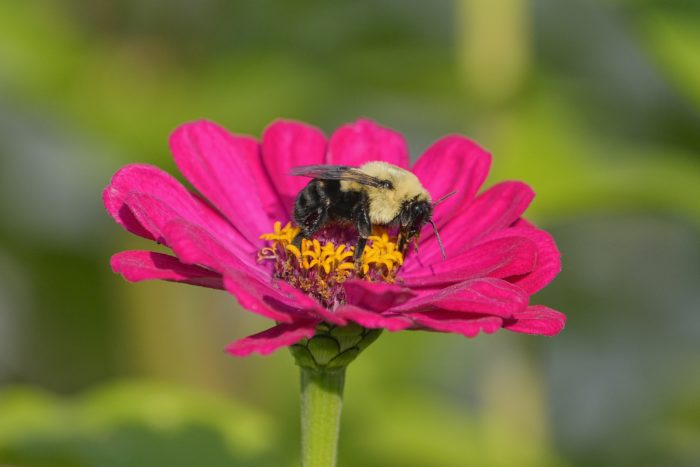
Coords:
437,235
443,198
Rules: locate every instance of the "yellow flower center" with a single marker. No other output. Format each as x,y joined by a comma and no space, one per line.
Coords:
320,267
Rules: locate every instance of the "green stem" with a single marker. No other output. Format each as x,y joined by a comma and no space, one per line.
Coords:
321,404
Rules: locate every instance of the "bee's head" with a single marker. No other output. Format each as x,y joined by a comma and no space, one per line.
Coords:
414,215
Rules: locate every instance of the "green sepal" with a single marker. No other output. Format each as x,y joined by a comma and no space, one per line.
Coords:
302,356
323,348
343,359
333,347
370,336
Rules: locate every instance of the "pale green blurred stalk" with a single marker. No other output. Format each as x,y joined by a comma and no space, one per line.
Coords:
493,46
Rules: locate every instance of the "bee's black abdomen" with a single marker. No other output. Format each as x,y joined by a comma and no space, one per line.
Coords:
322,201
310,209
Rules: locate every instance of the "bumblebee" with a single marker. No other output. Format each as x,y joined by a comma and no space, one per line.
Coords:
376,193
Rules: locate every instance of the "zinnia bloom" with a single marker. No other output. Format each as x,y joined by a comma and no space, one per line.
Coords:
235,235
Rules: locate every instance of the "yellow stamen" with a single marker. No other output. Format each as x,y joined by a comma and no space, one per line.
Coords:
293,250
317,263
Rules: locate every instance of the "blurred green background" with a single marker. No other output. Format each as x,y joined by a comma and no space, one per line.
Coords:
595,103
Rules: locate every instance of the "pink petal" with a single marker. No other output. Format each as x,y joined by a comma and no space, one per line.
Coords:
370,319
363,141
276,297
193,245
485,296
467,327
142,198
142,178
227,170
499,258
138,265
155,215
522,222
375,296
289,144
453,163
547,262
495,209
272,339
537,319
254,288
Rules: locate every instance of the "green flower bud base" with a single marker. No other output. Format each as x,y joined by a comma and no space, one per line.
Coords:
322,360
333,347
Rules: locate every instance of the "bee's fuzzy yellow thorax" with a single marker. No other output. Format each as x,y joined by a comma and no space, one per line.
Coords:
386,204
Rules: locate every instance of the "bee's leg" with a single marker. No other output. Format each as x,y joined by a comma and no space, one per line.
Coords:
297,240
401,240
359,249
310,225
364,229
310,211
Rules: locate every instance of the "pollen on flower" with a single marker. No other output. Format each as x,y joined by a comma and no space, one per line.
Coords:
322,264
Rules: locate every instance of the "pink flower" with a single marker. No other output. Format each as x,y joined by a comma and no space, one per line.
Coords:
495,259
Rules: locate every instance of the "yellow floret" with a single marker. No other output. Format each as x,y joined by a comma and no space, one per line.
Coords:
329,260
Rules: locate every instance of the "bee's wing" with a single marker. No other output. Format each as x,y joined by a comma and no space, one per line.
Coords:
338,172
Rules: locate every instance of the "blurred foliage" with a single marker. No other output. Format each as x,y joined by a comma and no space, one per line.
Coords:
673,38
131,424
596,104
